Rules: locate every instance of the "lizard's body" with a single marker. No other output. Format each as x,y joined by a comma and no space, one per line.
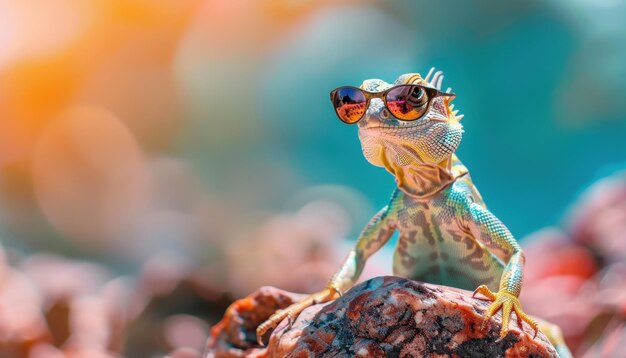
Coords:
435,244
438,212
447,235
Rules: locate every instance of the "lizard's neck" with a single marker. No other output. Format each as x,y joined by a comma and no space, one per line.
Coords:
422,180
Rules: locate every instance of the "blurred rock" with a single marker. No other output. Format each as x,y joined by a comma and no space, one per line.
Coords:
56,307
44,350
173,303
549,252
85,308
559,283
58,278
385,316
612,288
568,301
575,277
186,331
21,321
305,244
611,343
184,353
598,219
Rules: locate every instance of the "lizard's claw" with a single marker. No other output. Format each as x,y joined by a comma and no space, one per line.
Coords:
292,312
336,290
508,303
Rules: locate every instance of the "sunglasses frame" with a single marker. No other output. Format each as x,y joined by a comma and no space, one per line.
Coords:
431,92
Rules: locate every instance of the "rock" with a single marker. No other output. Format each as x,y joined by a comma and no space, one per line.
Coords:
560,283
610,344
551,253
235,334
598,218
381,317
568,301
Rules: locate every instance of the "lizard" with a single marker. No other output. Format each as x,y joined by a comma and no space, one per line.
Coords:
446,235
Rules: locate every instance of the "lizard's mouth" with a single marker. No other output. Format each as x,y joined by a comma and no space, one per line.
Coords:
383,127
421,122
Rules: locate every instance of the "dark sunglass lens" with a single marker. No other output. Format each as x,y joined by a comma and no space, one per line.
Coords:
350,104
407,102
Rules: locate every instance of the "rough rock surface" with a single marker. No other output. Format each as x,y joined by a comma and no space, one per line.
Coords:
235,334
382,317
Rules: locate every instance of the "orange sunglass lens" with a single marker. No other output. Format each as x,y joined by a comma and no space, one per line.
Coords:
350,104
407,102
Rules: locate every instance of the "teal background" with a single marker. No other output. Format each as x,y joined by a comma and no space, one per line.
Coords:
541,85
224,108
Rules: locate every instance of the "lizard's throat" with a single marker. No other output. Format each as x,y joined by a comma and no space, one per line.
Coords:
420,180
418,172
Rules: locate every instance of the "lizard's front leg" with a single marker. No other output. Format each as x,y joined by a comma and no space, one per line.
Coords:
374,236
487,228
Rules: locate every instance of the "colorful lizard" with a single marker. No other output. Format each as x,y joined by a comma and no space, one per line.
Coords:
447,235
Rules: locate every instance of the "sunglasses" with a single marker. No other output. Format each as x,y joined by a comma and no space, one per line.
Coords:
405,102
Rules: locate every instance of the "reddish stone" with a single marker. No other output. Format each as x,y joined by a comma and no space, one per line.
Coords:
235,334
382,317
611,294
549,252
598,219
568,301
611,343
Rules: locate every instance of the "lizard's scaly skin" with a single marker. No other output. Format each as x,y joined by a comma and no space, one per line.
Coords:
447,235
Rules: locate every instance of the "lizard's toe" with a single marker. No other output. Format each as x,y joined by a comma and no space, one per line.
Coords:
485,291
508,303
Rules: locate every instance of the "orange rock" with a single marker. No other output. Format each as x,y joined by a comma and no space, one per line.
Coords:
235,334
384,316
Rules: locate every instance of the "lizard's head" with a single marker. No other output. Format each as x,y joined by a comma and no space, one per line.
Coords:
431,139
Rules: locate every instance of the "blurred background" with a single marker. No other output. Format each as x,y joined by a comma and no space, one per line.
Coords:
159,159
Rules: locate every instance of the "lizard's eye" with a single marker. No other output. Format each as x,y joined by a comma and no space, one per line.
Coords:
407,102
